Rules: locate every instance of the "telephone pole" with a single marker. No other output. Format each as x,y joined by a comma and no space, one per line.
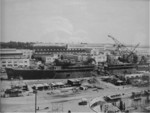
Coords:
35,92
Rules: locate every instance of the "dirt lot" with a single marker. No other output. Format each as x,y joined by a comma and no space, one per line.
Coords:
59,102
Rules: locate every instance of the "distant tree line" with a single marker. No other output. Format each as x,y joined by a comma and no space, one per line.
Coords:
17,45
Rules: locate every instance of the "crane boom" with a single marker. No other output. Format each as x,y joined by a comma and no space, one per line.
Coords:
115,40
133,50
122,46
123,50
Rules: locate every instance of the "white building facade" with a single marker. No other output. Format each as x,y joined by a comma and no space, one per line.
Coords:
100,58
26,53
15,63
13,58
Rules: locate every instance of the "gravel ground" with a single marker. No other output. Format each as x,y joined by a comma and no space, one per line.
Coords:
59,103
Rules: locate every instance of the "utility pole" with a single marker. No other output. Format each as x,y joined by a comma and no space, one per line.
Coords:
35,92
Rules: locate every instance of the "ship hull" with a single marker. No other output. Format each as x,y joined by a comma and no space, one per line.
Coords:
120,69
48,74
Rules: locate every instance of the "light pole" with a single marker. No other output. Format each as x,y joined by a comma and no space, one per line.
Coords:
35,92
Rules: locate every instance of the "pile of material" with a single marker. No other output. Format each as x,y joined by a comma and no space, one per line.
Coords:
91,83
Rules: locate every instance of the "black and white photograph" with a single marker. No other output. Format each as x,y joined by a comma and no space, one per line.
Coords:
74,56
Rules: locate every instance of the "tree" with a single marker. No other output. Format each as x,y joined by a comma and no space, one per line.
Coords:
89,61
128,81
143,60
56,62
32,57
61,57
17,45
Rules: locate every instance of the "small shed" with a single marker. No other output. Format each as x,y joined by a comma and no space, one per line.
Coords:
74,82
57,84
45,86
39,86
60,84
13,92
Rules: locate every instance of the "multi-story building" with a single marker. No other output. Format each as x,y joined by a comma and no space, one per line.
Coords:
78,52
13,58
50,49
71,57
50,58
87,46
100,58
27,53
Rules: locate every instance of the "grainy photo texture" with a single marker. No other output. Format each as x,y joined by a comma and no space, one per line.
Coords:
74,56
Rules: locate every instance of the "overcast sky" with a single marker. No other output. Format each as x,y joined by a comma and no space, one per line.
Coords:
75,21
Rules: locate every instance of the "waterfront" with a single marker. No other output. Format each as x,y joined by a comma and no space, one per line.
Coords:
75,56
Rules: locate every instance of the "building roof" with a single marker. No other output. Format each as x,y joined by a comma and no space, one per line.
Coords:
10,52
49,44
86,45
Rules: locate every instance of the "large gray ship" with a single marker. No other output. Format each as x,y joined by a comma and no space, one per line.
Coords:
57,72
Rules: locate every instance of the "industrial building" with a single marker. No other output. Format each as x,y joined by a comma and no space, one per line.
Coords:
13,58
49,49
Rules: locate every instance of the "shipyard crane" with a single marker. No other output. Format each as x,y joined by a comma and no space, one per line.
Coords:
121,47
119,44
132,52
123,50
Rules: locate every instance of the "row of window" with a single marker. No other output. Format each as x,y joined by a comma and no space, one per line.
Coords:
56,49
11,65
55,52
102,58
48,49
14,62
